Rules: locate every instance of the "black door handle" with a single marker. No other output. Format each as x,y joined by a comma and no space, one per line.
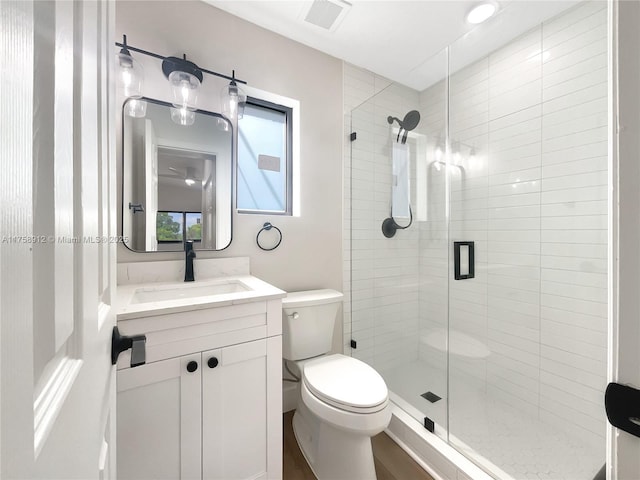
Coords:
212,362
622,404
121,343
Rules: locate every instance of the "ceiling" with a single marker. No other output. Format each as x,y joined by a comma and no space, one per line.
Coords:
401,40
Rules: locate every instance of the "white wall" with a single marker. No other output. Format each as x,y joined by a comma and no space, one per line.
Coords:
310,255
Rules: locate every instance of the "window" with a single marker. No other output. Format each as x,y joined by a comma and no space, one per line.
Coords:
265,158
178,227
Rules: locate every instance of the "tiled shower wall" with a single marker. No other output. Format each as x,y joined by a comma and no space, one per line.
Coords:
529,123
528,126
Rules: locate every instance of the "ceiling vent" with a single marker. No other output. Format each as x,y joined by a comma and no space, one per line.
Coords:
327,14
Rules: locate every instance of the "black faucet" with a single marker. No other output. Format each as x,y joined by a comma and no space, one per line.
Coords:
189,256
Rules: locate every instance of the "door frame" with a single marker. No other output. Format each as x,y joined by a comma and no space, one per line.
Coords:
623,459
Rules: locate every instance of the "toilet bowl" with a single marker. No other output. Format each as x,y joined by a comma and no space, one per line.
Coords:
342,401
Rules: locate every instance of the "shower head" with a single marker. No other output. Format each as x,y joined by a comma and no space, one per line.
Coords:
410,121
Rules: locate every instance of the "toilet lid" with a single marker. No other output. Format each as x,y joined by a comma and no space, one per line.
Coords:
345,383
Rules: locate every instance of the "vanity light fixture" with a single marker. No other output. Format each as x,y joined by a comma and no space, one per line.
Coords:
185,78
233,99
482,12
131,73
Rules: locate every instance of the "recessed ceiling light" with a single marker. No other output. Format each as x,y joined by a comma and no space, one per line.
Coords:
481,12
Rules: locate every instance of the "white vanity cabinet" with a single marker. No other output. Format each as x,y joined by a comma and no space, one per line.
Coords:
208,402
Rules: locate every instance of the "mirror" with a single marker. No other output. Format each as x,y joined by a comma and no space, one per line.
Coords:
176,178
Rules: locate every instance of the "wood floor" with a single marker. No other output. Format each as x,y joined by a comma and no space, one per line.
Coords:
392,463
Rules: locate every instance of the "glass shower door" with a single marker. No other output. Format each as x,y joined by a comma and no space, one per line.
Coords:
398,303
528,179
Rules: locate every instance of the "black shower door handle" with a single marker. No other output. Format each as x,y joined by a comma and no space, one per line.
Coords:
466,250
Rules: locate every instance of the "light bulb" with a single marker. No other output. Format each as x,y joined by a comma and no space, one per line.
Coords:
127,78
185,90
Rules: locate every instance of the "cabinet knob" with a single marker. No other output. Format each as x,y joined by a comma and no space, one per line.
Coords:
192,366
213,362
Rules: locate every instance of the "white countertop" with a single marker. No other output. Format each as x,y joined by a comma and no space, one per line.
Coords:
258,291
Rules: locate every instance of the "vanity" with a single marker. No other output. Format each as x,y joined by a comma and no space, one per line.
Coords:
207,402
199,383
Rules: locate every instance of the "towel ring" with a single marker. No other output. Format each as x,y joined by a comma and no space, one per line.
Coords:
267,226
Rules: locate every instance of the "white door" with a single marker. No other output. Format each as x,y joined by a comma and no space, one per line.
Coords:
57,265
623,456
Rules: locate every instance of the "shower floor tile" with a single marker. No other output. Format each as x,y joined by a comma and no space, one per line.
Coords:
492,432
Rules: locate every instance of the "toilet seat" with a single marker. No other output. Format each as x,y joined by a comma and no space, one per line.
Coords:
346,383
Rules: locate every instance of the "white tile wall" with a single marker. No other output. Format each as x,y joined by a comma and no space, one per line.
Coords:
533,198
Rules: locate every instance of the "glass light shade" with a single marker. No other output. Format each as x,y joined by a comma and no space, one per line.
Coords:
232,101
136,108
185,90
182,116
131,75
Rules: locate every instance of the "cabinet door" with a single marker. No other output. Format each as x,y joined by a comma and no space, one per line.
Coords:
159,420
234,412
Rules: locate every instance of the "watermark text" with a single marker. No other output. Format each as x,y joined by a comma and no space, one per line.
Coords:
61,239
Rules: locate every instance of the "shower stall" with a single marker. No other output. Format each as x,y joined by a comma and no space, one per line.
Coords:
507,363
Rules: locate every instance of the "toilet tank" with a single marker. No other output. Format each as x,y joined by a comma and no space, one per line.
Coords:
308,319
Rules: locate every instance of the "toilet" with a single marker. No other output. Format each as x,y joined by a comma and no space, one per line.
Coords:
342,401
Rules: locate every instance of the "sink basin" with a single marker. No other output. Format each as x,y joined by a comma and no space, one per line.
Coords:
173,292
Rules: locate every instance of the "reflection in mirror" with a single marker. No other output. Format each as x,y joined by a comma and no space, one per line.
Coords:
176,179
